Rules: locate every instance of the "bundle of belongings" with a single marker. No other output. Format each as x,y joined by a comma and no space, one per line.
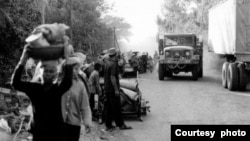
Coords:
49,45
130,92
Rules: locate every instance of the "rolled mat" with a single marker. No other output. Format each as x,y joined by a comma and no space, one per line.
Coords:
131,94
128,84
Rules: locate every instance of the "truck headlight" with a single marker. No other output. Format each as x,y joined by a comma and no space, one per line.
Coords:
187,53
167,53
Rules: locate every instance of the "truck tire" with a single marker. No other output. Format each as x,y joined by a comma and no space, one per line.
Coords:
233,77
242,77
224,74
201,70
161,72
195,73
169,74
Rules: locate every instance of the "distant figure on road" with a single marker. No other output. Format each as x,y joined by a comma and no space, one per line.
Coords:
150,64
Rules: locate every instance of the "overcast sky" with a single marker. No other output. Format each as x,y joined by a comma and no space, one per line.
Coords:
141,15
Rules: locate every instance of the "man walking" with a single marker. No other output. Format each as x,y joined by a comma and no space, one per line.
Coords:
111,87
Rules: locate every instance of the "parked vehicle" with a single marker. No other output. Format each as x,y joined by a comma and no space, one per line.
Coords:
128,71
228,35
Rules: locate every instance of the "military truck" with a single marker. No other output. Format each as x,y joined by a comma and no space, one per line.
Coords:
229,36
180,53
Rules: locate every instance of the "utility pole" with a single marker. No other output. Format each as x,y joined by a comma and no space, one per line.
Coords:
43,11
71,21
116,45
202,23
114,38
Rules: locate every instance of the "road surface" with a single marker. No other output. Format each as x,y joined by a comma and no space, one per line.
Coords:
180,100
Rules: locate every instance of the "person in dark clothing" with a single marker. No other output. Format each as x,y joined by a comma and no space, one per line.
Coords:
111,87
46,99
95,88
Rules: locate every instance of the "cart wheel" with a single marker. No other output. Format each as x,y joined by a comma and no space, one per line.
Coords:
144,111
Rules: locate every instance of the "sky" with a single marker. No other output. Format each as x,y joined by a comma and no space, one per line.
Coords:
141,15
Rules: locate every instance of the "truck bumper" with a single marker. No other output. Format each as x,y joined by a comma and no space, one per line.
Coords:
179,61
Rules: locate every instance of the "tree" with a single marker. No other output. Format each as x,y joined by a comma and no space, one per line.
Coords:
121,26
179,16
18,18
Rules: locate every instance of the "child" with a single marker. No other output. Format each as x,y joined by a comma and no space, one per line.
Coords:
95,87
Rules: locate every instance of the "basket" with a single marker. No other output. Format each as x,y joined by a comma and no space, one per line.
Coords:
47,53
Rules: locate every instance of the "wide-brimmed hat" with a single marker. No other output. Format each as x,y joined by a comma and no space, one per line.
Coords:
85,66
72,61
81,56
112,51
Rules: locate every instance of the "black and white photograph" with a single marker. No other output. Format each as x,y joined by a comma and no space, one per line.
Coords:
124,70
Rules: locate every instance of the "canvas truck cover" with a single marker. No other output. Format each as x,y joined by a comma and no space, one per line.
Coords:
229,27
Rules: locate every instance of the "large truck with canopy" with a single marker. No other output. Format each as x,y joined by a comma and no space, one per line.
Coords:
180,53
229,35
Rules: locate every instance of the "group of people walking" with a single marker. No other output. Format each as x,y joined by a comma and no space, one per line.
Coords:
65,99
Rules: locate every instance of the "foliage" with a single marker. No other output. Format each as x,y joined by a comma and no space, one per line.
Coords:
18,18
91,33
122,28
180,16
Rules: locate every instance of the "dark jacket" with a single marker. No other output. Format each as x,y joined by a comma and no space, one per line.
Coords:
46,99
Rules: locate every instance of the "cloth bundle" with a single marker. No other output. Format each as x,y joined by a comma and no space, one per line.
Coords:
130,89
4,126
131,85
50,45
50,36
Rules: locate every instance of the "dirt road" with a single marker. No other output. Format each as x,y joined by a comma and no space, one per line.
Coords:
180,100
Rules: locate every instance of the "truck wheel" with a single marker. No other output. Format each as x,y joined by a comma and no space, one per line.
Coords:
224,74
242,77
195,73
169,74
161,72
201,72
232,77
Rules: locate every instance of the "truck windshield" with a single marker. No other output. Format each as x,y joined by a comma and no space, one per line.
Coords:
179,40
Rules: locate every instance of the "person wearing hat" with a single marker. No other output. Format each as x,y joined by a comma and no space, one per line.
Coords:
134,62
45,97
111,87
75,104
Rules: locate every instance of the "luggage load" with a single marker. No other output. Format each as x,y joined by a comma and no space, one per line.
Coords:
131,94
49,42
128,84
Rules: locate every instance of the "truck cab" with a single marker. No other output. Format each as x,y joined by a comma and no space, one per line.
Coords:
180,53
